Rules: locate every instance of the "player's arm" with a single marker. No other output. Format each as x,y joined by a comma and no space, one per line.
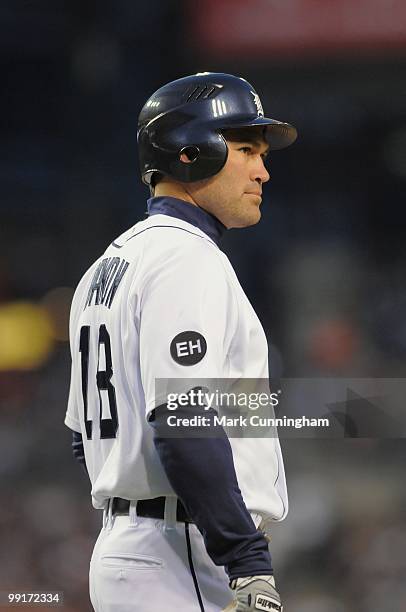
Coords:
195,295
78,449
202,474
72,412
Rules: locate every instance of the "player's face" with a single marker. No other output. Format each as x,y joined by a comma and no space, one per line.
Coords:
234,195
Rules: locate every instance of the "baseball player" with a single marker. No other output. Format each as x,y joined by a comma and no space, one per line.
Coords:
183,516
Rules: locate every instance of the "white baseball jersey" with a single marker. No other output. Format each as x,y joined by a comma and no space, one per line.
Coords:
163,301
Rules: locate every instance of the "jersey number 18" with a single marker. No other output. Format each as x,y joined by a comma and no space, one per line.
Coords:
108,427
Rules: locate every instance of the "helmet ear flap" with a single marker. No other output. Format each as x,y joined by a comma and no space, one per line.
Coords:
191,151
200,160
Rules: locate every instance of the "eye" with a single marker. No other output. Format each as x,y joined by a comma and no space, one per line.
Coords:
245,149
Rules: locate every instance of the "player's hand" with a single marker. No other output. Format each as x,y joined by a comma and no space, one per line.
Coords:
255,593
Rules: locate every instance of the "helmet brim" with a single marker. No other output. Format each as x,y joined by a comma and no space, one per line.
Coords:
279,135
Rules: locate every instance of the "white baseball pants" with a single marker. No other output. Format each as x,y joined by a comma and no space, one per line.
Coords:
153,565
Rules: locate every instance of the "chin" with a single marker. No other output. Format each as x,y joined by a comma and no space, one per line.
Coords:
247,220
246,214
252,218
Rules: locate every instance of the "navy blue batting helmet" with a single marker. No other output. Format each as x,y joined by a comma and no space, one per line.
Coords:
188,116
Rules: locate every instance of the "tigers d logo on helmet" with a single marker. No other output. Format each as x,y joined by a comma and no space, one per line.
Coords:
258,104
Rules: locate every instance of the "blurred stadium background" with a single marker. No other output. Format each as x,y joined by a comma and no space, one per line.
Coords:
325,268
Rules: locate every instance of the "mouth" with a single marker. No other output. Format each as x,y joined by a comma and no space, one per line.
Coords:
254,193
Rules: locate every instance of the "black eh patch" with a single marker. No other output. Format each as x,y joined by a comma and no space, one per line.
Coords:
188,348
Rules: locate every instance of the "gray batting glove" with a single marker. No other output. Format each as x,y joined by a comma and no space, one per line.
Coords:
255,593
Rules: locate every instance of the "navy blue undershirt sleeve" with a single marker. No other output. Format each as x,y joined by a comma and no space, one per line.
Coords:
78,450
202,474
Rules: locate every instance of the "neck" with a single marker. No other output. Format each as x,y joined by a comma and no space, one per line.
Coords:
179,209
173,190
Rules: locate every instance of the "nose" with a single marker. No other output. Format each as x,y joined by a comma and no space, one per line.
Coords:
261,174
